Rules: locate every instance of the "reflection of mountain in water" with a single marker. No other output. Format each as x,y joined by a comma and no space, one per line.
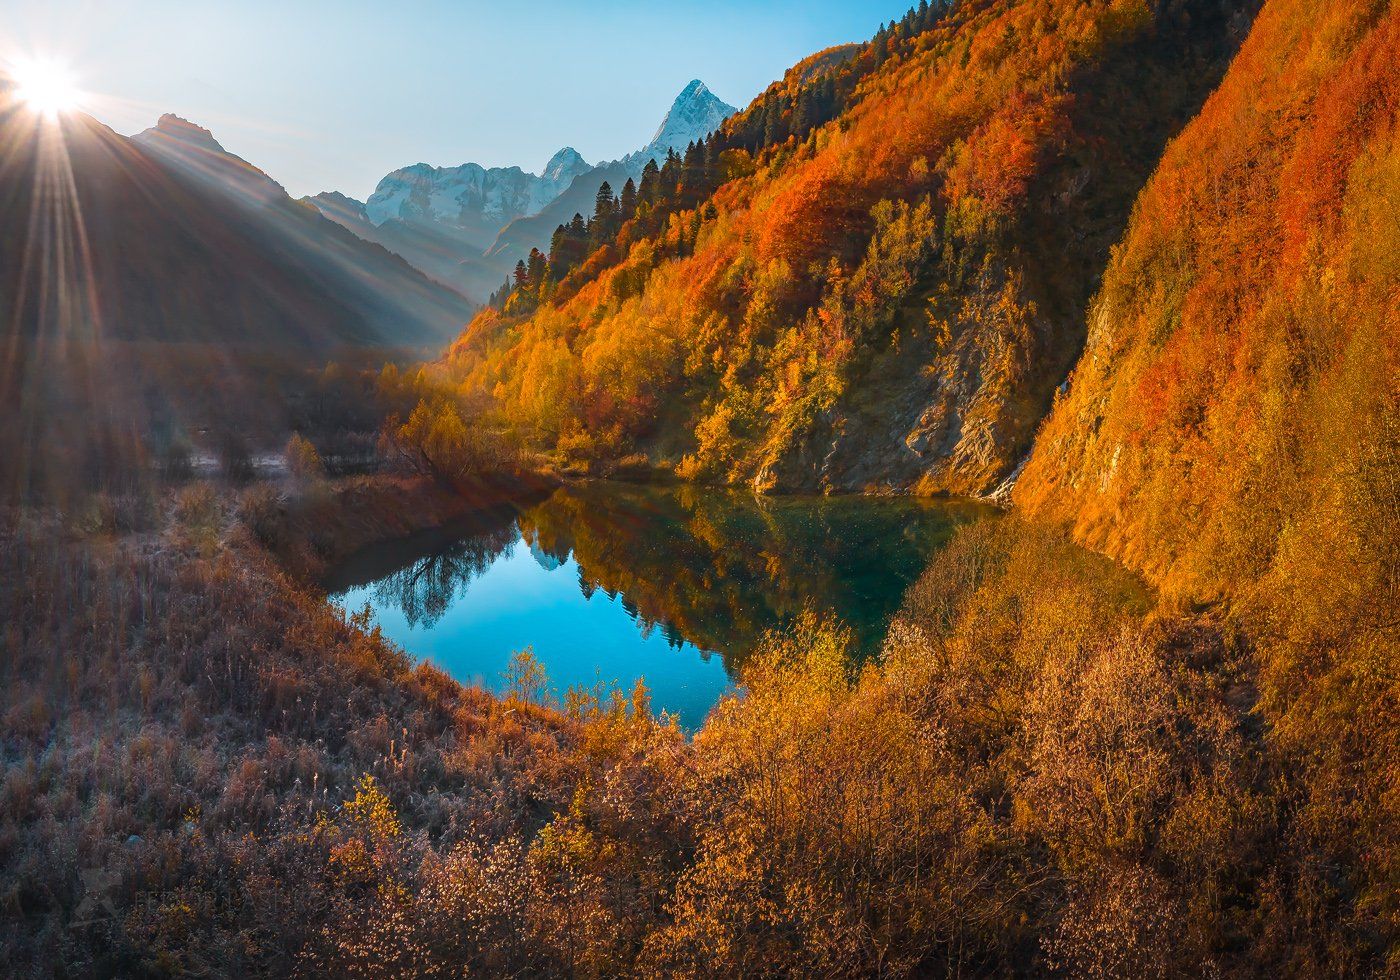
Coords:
711,567
545,560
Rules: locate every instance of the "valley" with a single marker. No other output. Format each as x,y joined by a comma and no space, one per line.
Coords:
938,518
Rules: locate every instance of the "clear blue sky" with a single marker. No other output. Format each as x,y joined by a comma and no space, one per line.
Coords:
331,96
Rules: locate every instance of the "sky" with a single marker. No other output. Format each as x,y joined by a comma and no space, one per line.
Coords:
332,96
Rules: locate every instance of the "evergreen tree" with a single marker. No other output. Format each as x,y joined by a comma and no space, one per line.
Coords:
558,246
802,114
670,175
568,247
881,45
693,174
650,191
536,269
604,224
522,275
627,203
775,129
604,205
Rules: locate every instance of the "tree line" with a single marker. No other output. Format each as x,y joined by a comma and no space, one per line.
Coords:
787,111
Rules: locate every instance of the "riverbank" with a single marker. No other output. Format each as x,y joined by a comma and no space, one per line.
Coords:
312,528
221,770
180,785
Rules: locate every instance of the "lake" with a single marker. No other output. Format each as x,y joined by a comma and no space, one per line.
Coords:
610,582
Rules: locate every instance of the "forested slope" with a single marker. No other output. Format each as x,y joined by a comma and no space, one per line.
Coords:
885,299
1233,430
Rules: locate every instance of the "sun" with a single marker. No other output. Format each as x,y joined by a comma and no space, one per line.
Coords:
46,86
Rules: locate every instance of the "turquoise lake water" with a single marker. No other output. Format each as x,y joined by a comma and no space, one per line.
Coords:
608,583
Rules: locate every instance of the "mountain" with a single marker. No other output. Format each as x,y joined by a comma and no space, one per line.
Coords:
194,150
188,242
442,219
467,226
381,283
470,198
695,113
159,284
887,282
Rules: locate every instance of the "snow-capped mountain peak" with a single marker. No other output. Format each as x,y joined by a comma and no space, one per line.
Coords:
454,221
696,112
463,194
564,166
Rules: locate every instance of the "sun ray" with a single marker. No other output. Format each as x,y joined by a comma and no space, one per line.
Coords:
46,86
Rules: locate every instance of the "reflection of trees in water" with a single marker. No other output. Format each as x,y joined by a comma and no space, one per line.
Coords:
425,588
711,567
719,568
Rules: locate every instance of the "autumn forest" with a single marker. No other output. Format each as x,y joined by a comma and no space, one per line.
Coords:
980,451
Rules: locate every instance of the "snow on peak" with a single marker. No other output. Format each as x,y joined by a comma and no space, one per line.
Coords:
695,113
466,194
567,162
473,197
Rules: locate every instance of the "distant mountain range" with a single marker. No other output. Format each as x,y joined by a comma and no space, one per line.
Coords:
168,237
467,226
160,291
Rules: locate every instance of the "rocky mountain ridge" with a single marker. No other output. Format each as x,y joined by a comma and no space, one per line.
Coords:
467,225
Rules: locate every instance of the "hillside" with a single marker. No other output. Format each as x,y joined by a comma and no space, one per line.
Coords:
1241,363
185,243
1233,430
885,300
159,291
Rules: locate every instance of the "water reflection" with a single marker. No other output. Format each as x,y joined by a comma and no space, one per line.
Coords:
604,579
718,568
424,589
422,574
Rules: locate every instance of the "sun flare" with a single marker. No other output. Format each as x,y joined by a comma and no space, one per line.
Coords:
46,86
